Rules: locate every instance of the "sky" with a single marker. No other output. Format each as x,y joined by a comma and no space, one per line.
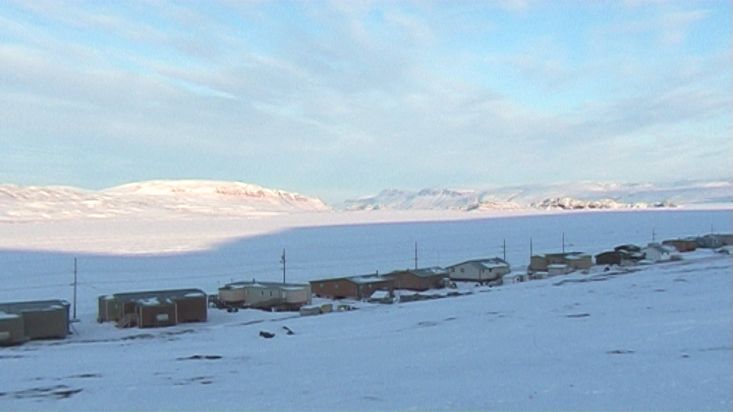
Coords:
338,99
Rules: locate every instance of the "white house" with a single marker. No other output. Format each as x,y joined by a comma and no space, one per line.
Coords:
479,270
655,252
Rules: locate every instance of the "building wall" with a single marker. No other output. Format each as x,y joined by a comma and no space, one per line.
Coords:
298,297
608,258
470,272
582,263
338,288
11,330
46,324
151,316
681,245
191,309
365,290
407,280
538,264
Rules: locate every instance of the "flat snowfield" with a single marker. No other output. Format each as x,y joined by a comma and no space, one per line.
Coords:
656,337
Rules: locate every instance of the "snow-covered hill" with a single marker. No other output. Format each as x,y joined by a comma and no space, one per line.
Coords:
583,195
160,198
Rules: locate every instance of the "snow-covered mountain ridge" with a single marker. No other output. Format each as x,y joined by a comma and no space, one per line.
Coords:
151,198
583,195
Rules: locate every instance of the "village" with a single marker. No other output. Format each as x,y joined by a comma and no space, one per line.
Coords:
23,321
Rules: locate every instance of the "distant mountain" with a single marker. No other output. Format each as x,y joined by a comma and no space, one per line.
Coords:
151,199
583,195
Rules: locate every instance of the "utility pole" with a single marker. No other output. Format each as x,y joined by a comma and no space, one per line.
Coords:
415,255
282,260
654,235
75,283
530,249
563,242
503,247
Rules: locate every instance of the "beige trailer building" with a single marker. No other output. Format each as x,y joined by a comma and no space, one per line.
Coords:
22,321
265,295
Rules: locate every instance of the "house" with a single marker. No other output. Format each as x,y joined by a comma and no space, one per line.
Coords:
619,257
480,270
354,287
153,308
265,295
682,245
419,279
23,321
656,253
714,240
574,261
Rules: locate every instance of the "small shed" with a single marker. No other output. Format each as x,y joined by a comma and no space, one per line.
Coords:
44,319
419,279
490,270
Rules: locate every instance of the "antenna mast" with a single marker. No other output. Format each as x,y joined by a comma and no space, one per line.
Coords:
415,255
282,260
75,283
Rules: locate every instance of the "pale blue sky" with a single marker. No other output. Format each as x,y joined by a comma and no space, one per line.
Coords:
344,98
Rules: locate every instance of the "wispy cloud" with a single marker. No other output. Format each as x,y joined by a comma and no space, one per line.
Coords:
316,96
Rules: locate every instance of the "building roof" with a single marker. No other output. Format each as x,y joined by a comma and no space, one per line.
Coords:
358,279
273,285
627,247
37,305
366,279
423,272
490,263
160,295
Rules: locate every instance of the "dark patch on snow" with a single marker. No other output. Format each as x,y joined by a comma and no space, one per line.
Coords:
139,336
84,376
716,349
11,356
200,357
427,323
203,380
620,352
288,331
578,315
55,392
660,290
266,334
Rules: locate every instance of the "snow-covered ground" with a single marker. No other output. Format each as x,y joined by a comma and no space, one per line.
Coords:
658,338
655,339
